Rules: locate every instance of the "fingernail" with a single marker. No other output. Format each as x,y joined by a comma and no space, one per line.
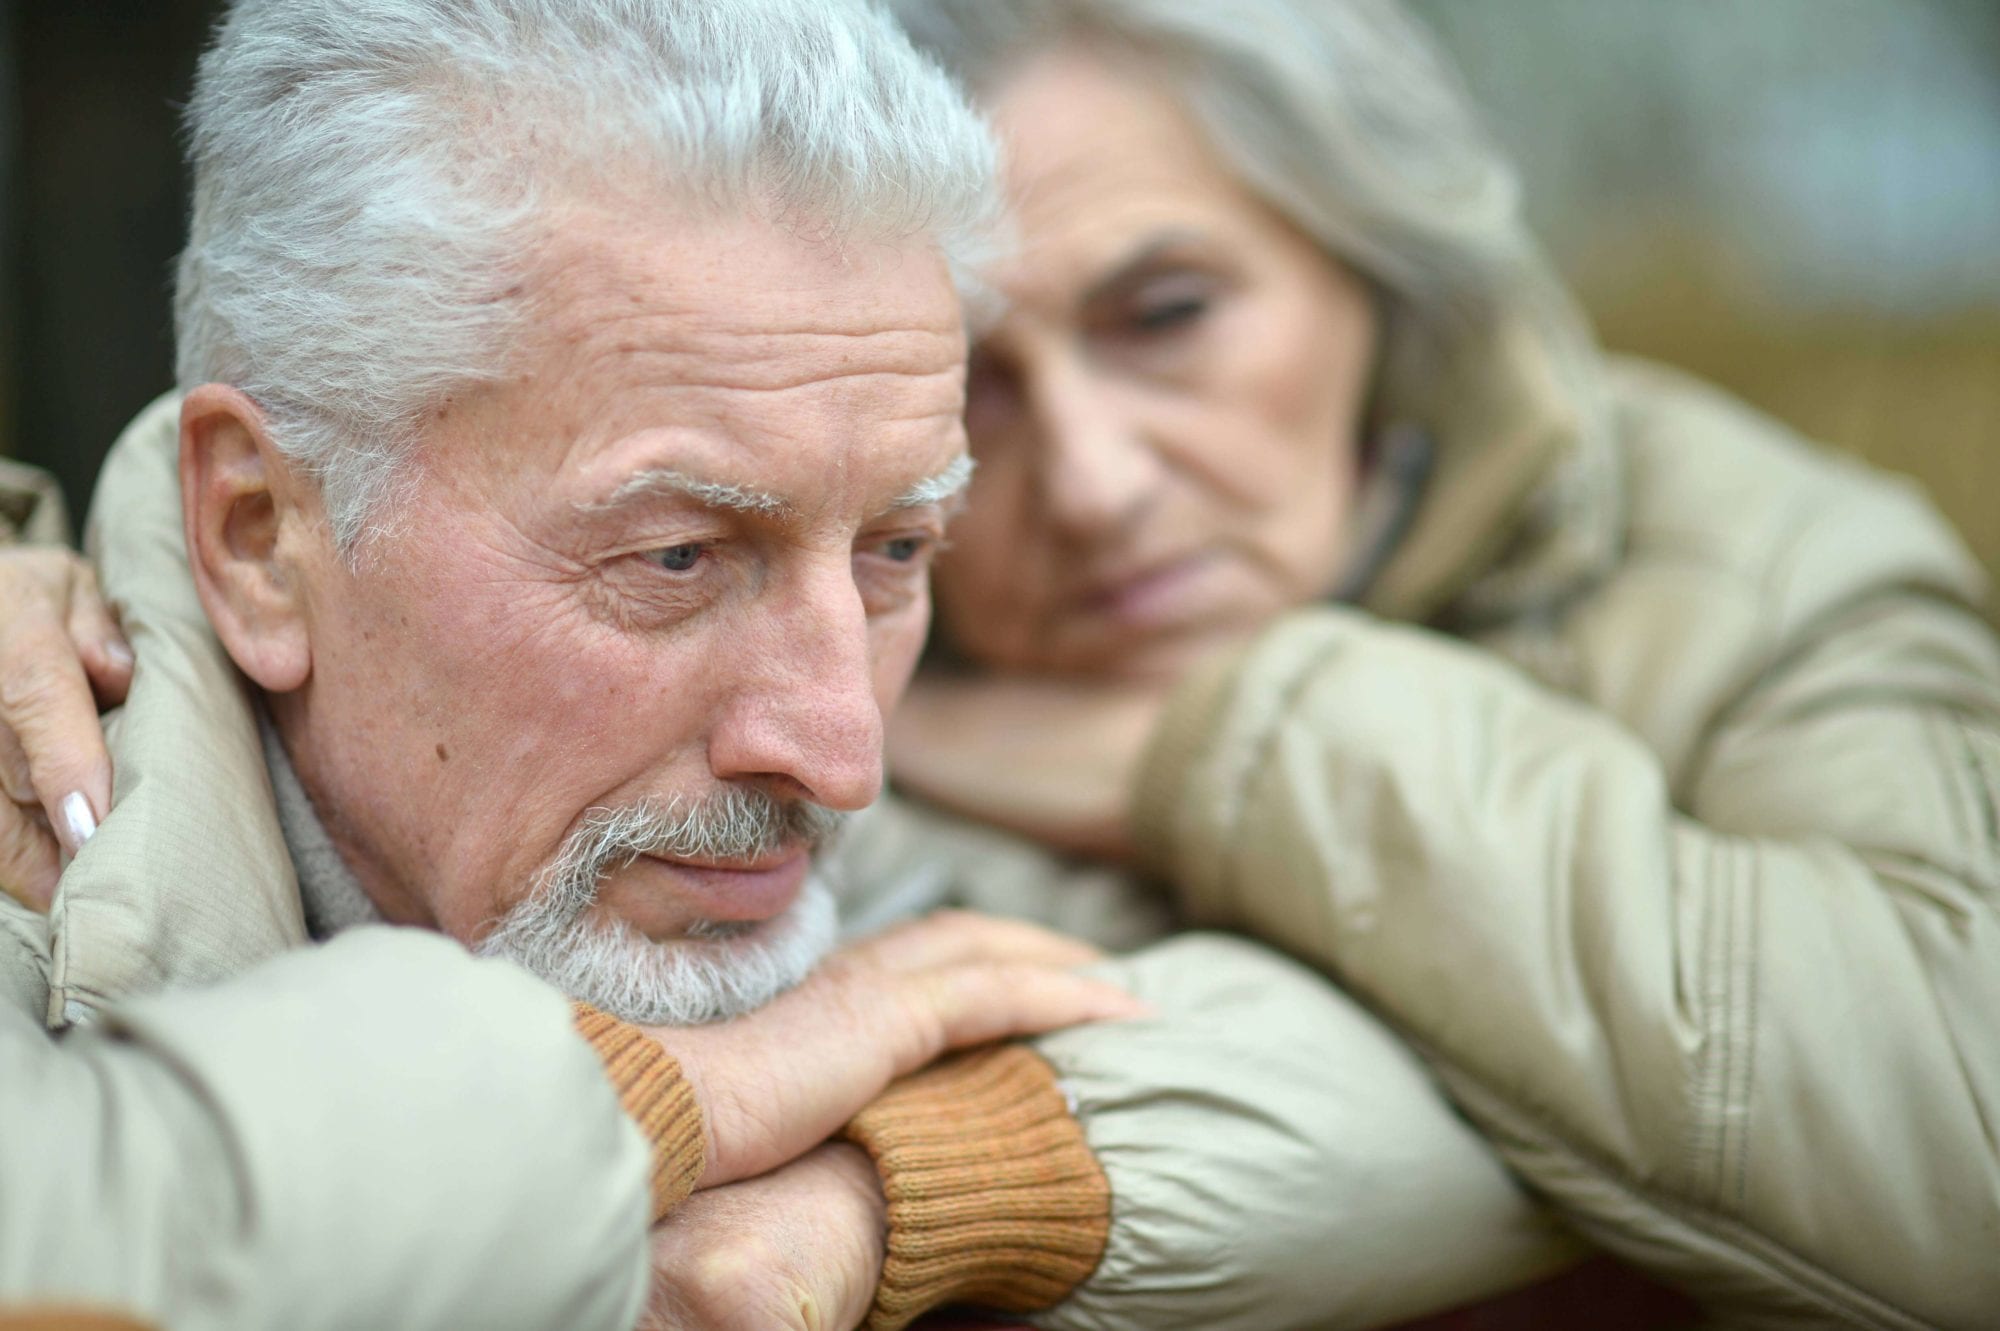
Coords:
120,654
79,823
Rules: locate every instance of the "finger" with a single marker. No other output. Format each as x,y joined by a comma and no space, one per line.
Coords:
107,656
46,700
954,937
29,864
977,1004
17,783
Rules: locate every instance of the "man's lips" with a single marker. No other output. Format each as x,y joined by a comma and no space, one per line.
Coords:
759,889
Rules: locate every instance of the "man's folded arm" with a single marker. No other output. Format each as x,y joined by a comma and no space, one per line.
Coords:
1262,1154
1273,1155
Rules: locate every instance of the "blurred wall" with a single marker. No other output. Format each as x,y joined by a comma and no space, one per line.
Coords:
1799,199
9,198
92,199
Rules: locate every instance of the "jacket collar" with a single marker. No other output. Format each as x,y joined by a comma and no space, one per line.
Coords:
332,895
1525,502
188,879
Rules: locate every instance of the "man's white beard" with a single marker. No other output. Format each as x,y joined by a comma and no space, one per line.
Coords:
682,982
718,970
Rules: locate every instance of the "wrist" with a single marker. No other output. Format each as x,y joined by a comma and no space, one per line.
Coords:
993,1196
656,1093
866,1206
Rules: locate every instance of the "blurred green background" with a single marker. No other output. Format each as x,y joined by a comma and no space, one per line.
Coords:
1798,199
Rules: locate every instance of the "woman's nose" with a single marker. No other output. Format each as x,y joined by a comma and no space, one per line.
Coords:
1097,473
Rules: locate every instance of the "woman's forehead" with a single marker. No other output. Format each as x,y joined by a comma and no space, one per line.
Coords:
1101,169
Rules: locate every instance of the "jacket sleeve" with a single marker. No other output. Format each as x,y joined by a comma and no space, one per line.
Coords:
1274,1158
380,1132
1743,1028
1278,1159
903,858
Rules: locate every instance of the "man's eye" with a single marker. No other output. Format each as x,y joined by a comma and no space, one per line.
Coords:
678,558
904,549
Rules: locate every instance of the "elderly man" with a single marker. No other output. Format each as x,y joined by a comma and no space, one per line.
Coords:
570,408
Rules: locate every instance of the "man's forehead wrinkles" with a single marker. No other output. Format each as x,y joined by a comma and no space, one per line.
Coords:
778,381
691,323
855,331
704,361
690,371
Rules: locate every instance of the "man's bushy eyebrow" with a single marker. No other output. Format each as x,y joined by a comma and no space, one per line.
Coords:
657,481
666,481
936,489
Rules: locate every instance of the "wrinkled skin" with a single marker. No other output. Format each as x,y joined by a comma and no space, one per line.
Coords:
539,632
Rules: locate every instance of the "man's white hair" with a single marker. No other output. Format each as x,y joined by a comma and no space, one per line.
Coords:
369,176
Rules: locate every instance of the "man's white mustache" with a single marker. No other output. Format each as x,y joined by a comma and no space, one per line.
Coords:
738,824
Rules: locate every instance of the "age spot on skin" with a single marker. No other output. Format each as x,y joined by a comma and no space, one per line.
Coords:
443,757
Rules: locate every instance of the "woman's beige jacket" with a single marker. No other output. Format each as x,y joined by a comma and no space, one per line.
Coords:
1676,852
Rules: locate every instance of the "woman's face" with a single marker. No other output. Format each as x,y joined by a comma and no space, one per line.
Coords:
1166,420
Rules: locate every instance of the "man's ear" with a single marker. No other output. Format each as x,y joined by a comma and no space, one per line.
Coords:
246,519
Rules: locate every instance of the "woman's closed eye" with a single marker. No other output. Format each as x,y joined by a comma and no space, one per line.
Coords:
1163,304
1167,315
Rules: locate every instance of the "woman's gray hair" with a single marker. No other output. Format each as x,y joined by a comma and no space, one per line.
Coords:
370,177
1343,116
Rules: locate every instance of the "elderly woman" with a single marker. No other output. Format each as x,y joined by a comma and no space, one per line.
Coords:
1638,763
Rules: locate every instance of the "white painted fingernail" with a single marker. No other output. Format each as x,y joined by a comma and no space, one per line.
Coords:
79,823
120,654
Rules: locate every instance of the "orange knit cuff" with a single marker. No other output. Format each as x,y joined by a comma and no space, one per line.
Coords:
650,1086
68,1319
994,1196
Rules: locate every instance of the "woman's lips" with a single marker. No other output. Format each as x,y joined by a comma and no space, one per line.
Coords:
1160,596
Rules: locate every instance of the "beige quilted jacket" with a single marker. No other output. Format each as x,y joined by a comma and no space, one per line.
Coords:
1675,851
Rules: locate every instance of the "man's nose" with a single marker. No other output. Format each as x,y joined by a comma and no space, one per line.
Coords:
1097,471
804,721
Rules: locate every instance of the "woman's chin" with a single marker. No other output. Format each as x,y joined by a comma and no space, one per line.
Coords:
1171,657
1159,657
